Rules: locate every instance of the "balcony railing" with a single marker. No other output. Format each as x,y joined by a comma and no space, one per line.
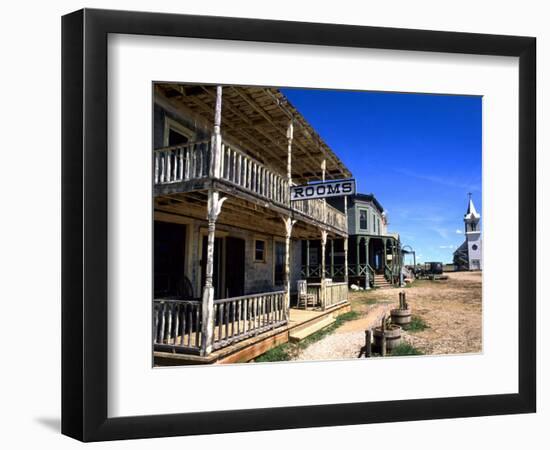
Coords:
192,161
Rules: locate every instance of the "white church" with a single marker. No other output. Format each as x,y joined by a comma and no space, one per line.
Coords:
469,255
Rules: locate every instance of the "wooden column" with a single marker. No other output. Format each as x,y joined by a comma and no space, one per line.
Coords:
384,256
289,223
401,281
332,258
307,258
367,280
324,234
215,155
214,207
346,278
357,260
289,137
324,170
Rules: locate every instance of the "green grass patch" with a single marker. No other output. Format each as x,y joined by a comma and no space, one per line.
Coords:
405,349
285,352
417,324
279,353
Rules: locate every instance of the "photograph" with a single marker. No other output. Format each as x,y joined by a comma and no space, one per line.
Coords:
297,224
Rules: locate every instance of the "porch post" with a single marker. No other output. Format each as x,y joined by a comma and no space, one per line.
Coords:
214,207
289,137
357,243
346,278
289,223
384,257
400,265
216,153
332,258
324,171
307,258
367,281
324,234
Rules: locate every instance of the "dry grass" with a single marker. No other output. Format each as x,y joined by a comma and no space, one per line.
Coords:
451,308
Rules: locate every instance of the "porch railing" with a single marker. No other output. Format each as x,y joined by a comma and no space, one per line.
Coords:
314,271
361,270
192,161
333,293
177,325
238,318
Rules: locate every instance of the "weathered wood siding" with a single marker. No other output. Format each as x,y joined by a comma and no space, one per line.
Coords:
259,276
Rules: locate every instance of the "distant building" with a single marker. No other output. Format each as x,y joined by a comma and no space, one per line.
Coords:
374,253
469,255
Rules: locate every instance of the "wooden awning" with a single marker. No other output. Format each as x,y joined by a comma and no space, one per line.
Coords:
256,119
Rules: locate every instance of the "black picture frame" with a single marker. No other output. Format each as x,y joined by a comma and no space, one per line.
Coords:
84,224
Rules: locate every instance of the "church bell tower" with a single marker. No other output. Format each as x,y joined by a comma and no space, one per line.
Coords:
473,236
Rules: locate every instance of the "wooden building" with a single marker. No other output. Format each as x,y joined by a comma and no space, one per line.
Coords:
469,255
227,256
375,257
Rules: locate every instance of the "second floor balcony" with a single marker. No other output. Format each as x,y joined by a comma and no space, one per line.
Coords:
188,167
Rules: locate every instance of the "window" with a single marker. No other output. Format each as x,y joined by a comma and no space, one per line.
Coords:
474,247
259,251
363,218
176,134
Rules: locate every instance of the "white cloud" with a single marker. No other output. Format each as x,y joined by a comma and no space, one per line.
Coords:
458,231
451,246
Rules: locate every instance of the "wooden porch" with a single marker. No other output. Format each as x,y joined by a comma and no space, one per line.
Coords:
300,323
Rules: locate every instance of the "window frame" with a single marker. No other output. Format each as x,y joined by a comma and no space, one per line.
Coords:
263,260
366,211
173,124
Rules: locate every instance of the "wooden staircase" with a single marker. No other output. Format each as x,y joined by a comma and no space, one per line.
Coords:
380,281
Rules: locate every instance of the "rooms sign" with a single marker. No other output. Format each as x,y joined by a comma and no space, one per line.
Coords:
332,188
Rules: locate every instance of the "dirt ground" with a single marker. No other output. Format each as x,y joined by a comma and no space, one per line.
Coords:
452,310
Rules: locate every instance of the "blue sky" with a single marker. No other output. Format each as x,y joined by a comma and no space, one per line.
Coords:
419,154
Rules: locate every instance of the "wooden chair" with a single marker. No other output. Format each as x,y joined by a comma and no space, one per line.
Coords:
305,300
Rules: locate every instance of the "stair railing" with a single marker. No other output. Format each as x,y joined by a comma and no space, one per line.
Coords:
371,273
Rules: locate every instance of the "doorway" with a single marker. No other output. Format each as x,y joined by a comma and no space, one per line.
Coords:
169,259
234,267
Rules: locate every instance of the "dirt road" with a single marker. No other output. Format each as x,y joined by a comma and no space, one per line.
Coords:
452,310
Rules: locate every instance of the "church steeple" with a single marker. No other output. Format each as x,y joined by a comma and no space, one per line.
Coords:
469,255
471,218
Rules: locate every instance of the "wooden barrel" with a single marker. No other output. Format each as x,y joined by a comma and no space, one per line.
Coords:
393,337
401,316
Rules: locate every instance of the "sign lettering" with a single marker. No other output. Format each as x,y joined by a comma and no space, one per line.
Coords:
333,188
